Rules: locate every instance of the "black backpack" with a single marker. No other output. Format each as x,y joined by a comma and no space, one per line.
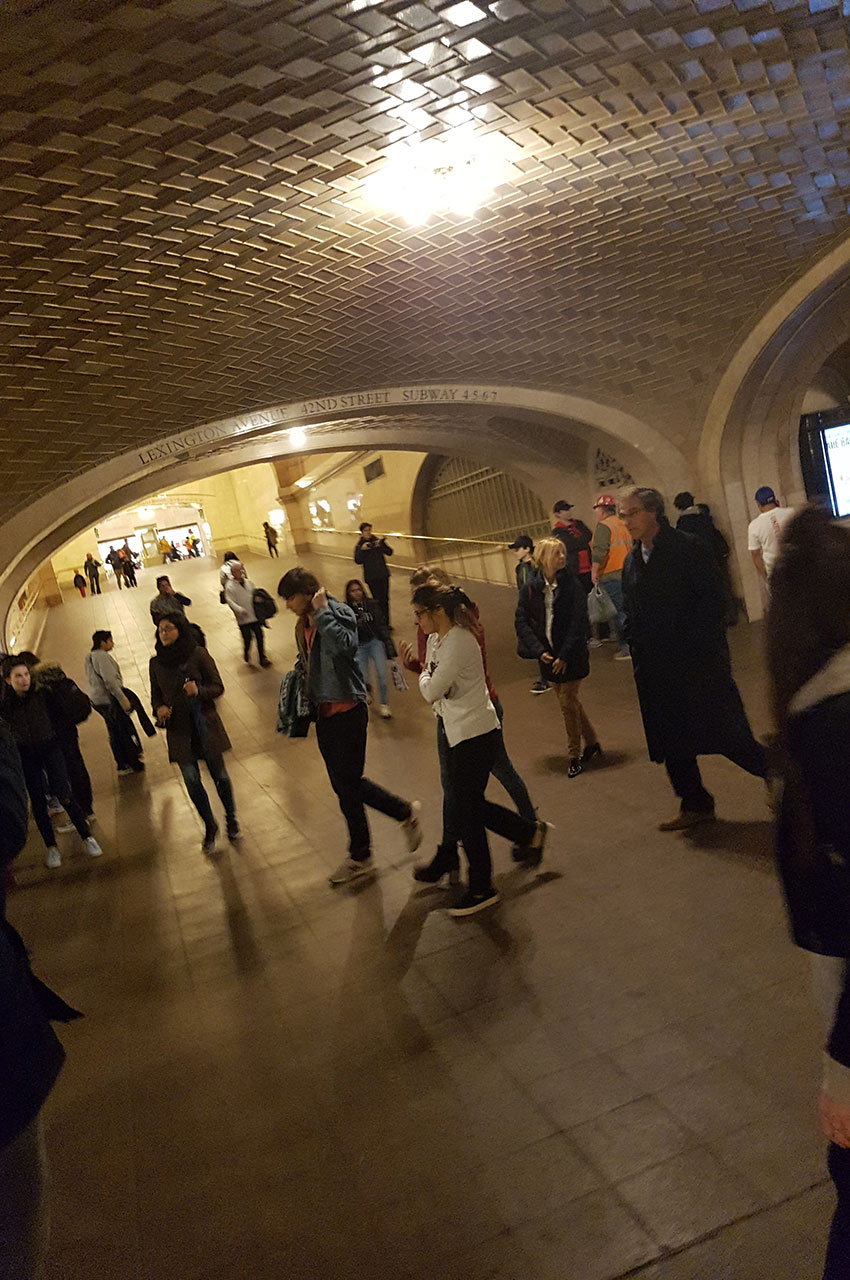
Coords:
264,606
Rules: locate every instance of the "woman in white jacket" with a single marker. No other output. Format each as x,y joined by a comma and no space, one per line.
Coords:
452,681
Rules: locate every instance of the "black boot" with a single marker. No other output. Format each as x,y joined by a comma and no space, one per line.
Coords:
444,862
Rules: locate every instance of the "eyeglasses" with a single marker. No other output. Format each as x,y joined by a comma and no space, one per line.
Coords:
420,613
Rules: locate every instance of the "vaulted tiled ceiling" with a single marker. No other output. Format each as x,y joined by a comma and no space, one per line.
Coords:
183,233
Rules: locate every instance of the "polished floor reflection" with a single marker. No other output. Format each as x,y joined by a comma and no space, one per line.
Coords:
612,1073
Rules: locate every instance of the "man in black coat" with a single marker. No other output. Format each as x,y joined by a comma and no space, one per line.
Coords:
371,553
30,1055
689,701
577,538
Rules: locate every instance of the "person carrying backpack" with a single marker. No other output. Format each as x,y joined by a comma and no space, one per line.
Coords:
239,594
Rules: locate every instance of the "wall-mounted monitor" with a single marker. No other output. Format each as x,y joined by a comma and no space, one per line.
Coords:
825,457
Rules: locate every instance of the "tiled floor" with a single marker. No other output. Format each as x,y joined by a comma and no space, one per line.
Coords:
611,1074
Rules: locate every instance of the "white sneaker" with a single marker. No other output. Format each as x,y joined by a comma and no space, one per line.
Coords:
386,714
122,773
351,869
412,828
594,644
91,847
52,858
622,657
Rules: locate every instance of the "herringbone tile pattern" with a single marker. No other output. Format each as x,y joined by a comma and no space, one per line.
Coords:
183,232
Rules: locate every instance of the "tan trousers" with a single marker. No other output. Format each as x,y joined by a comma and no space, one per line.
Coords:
575,721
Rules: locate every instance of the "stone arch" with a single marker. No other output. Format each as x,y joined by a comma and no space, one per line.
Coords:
383,418
750,435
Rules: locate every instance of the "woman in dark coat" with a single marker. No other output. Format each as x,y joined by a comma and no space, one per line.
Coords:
809,657
184,686
551,625
675,629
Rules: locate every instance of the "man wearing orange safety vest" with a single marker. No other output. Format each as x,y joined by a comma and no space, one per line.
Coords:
608,550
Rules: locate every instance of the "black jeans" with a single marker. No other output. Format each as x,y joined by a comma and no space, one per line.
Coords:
470,764
123,739
342,742
78,774
380,589
248,630
837,1263
272,546
47,758
94,583
686,780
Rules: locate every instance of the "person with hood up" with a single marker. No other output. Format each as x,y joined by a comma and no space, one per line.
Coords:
185,684
26,710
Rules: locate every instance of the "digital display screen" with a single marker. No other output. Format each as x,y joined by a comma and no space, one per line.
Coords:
837,442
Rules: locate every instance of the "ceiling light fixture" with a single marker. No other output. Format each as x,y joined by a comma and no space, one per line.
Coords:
298,437
457,175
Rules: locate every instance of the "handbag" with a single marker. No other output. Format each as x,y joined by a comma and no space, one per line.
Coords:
600,606
264,605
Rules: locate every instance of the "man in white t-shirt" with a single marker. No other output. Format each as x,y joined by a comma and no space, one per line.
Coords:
763,534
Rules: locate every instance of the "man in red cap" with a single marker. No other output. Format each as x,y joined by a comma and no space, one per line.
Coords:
575,536
608,550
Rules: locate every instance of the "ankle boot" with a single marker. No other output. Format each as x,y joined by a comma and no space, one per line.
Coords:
444,862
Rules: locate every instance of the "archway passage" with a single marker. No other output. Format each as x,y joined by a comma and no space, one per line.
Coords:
543,442
751,431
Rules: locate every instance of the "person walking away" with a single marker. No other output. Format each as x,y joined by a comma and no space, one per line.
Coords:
67,707
675,628
608,550
165,550
326,636
525,568
128,564
696,519
31,1057
80,583
114,559
185,684
551,625
167,602
452,682
92,570
374,642
239,594
809,663
25,710
371,552
576,538
114,703
764,534
271,538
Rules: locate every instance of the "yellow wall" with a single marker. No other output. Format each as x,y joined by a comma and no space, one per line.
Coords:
385,501
235,505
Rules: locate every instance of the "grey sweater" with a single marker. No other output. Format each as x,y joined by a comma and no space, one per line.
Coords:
103,678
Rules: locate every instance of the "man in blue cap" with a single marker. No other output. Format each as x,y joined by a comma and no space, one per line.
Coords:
764,533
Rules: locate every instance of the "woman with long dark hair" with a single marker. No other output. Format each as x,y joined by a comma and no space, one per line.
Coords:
551,625
374,642
452,681
809,657
184,686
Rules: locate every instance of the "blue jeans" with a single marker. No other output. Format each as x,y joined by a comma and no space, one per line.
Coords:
373,651
503,771
192,777
614,589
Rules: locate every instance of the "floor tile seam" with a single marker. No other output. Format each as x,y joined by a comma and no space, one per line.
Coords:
635,1272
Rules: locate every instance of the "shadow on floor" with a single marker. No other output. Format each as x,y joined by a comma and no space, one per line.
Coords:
559,764
743,842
